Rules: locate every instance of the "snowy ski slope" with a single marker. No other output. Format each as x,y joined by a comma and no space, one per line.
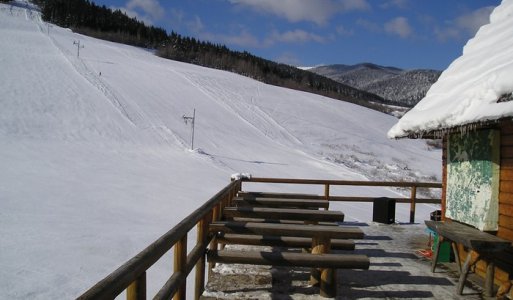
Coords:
95,167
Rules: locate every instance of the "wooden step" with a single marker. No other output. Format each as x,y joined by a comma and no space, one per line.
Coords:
280,241
277,202
333,232
332,261
284,214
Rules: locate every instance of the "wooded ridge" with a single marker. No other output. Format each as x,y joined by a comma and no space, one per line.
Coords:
84,16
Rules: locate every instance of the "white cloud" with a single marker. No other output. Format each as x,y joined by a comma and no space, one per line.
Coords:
294,36
177,16
196,25
368,25
151,8
465,25
402,4
399,26
319,11
288,58
473,21
342,31
147,11
245,39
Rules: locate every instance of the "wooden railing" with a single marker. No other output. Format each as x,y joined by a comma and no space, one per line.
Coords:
413,186
132,275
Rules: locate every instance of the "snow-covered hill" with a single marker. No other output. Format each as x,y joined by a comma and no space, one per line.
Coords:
406,87
95,155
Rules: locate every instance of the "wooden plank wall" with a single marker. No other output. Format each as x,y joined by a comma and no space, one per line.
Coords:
444,175
504,270
505,276
506,183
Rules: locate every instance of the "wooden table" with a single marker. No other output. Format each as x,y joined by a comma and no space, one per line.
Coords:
485,244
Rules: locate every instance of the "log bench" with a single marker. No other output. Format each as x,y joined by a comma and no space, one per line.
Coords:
277,202
311,231
328,262
320,237
307,215
279,241
484,244
296,222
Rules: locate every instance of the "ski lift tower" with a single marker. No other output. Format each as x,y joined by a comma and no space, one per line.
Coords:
186,119
78,47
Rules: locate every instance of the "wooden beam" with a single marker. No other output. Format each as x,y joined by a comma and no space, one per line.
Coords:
345,182
253,195
413,197
288,230
137,290
277,202
284,214
180,265
201,241
274,221
281,241
336,261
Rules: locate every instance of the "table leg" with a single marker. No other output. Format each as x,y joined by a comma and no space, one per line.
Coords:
464,273
435,255
490,275
456,256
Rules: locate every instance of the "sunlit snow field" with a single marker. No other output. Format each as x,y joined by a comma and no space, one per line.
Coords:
95,167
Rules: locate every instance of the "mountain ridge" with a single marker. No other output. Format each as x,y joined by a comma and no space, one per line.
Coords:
399,86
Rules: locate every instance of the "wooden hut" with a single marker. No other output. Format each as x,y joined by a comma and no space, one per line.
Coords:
471,109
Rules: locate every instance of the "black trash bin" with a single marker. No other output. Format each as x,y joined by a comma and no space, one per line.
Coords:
436,215
384,210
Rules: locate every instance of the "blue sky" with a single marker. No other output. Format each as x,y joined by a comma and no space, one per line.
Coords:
402,33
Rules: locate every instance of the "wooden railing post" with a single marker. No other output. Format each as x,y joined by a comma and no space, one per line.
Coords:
180,265
327,193
200,265
412,203
213,243
137,290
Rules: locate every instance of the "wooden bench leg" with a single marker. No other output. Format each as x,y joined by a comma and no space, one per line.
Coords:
464,273
318,247
435,255
490,275
456,256
328,283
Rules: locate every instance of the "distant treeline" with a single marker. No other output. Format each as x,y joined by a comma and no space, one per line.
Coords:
86,17
190,50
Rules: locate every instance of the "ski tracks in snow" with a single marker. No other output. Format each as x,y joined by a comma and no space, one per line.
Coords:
247,111
130,111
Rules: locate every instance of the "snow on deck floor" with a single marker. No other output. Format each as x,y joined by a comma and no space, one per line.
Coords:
396,272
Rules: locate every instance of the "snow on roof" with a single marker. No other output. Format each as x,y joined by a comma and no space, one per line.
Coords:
468,91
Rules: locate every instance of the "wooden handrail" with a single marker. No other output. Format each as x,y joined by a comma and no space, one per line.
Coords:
134,269
131,276
345,182
327,183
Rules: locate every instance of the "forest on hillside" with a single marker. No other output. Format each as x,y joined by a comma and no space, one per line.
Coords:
84,16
